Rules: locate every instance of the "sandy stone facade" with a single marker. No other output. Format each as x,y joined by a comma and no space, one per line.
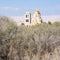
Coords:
32,20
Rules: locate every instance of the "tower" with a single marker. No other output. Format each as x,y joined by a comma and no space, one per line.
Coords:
27,18
36,18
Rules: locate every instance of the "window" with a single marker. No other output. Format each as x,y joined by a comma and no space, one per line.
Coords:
27,16
27,20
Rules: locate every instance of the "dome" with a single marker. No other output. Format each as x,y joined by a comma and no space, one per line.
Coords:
37,12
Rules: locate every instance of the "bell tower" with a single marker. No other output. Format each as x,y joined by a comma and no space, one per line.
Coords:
27,18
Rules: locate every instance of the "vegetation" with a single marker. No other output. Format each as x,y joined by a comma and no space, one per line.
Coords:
23,43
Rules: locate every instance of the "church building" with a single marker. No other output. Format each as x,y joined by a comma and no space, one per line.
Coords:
32,20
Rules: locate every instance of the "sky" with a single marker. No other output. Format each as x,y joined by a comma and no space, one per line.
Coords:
19,7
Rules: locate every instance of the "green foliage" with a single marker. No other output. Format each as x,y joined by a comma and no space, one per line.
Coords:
49,22
39,39
22,24
57,23
7,29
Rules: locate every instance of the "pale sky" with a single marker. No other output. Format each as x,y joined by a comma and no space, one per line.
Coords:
19,7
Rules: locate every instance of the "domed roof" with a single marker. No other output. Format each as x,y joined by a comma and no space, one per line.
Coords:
37,12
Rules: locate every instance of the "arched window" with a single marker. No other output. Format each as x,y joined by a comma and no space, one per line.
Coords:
27,16
27,20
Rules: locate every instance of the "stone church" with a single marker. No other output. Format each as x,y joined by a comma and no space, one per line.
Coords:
32,20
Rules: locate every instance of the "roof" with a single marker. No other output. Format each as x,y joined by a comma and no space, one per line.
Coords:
37,11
